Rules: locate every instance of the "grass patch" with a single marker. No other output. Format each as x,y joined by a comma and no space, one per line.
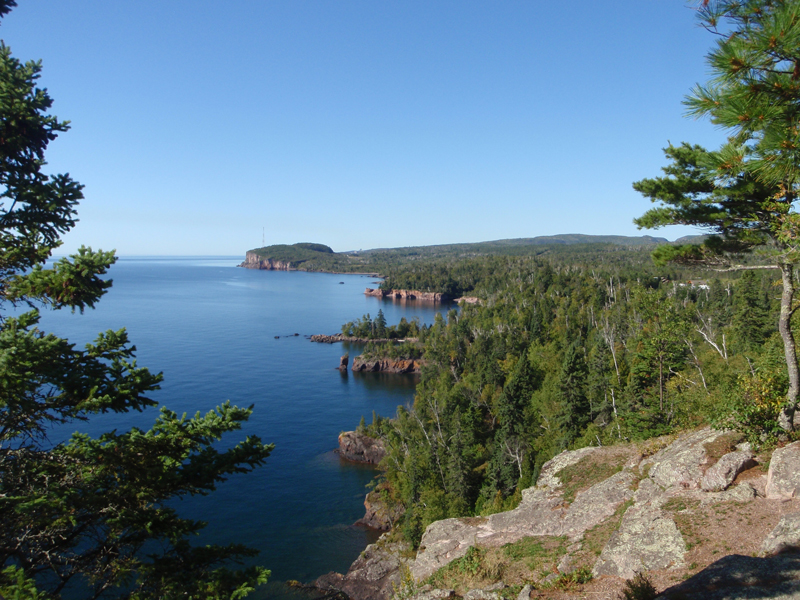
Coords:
679,504
525,561
536,552
567,581
589,470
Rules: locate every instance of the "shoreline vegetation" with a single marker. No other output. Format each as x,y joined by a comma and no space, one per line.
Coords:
562,354
574,348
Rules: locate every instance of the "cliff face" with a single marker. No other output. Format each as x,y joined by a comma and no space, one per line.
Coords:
254,261
361,448
386,365
407,295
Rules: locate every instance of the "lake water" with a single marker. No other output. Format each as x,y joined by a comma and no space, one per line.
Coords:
211,327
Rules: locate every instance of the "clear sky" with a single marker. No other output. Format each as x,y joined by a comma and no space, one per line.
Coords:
197,125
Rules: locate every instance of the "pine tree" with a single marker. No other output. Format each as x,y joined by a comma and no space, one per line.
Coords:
744,192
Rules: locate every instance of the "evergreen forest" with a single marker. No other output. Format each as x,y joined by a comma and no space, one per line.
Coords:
558,356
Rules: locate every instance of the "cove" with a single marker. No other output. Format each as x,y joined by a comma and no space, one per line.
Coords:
211,327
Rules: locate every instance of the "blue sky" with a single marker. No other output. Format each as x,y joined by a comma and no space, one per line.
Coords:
360,124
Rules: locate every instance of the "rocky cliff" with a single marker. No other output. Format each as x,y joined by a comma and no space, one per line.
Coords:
407,295
386,365
697,514
360,447
254,261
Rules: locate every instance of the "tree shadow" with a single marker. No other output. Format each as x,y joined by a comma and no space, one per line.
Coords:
738,577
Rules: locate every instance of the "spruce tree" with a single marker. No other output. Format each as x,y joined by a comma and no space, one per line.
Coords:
575,409
94,516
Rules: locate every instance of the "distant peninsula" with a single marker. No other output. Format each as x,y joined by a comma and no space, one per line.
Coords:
309,256
285,257
429,269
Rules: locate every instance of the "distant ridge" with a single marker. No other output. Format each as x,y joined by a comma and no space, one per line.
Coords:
309,256
580,238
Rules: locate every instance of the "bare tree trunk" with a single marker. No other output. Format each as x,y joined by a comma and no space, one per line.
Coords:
785,419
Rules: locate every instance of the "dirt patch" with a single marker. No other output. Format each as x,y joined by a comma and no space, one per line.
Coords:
716,530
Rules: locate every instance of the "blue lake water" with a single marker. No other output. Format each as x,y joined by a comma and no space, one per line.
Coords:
211,327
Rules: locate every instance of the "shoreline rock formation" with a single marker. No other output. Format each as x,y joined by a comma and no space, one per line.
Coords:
386,365
435,297
254,261
647,505
360,447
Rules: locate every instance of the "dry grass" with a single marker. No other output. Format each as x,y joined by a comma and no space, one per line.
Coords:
594,468
721,446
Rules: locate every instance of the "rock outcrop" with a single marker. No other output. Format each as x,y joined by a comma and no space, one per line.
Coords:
360,447
784,538
379,514
343,362
254,261
374,573
386,365
647,538
643,502
407,295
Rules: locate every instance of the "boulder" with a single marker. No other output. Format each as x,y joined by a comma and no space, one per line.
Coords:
682,462
482,595
785,537
721,475
436,594
742,492
343,363
783,478
360,447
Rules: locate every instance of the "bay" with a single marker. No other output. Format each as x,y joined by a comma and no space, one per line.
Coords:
211,328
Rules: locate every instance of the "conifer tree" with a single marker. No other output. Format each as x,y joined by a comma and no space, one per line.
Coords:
744,192
94,516
575,410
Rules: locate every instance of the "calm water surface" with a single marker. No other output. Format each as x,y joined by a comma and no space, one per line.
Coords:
211,327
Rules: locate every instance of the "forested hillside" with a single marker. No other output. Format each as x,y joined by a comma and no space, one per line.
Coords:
421,267
566,354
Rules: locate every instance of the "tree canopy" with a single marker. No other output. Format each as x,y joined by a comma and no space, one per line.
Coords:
743,193
89,516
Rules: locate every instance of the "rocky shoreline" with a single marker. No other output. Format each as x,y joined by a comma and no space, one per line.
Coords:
696,514
340,337
387,365
435,297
